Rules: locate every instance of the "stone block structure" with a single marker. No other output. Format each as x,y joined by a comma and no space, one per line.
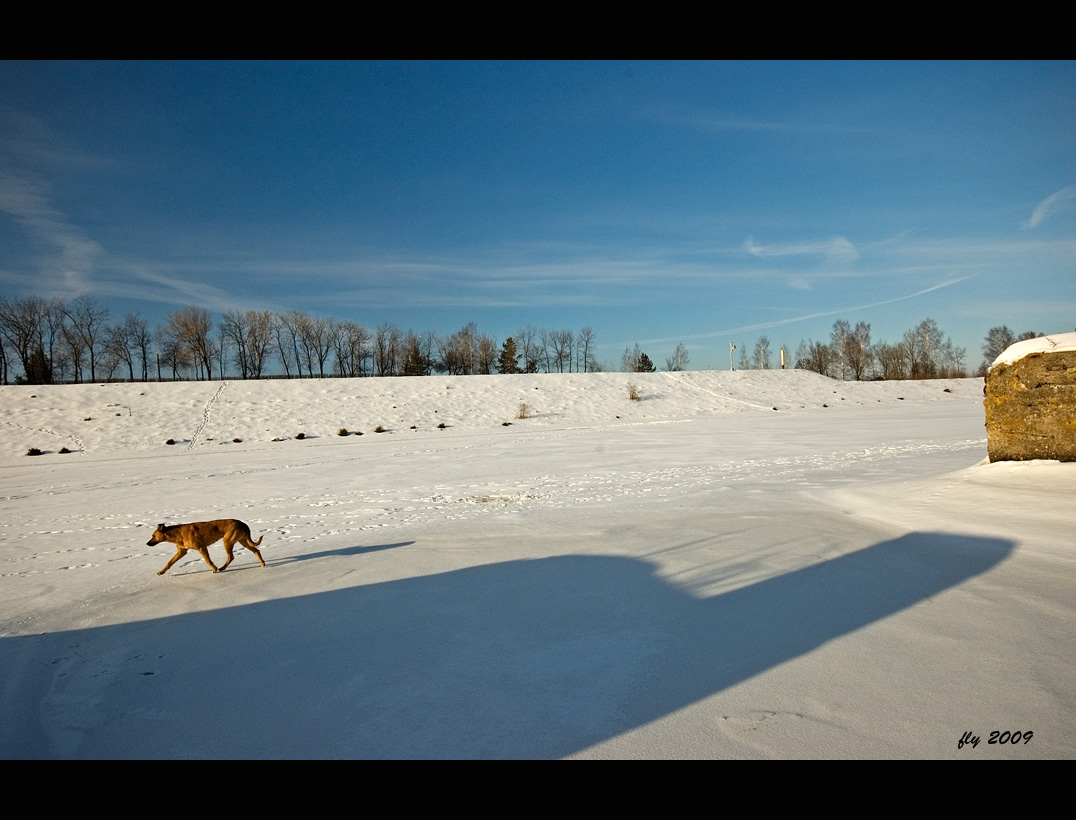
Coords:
1030,401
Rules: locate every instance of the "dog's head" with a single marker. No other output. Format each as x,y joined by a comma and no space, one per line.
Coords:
158,536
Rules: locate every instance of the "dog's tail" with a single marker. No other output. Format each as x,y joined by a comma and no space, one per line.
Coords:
254,543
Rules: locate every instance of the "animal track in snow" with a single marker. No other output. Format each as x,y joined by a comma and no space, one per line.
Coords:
205,416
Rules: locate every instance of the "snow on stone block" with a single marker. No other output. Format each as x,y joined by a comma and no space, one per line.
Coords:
1030,401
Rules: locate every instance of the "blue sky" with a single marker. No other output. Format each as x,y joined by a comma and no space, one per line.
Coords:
702,203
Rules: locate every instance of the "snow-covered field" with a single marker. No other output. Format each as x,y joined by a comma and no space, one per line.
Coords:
756,564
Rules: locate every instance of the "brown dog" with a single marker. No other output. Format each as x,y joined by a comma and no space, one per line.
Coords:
200,535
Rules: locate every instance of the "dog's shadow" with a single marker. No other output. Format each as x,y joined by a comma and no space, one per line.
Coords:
339,553
195,565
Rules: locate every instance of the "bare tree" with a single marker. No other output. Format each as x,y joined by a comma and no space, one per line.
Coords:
120,346
318,338
352,349
287,343
387,348
997,340
678,360
561,342
814,356
139,337
191,327
86,317
858,353
529,347
297,323
585,348
485,354
22,325
259,340
893,360
841,333
172,351
55,321
233,326
762,353
33,332
458,354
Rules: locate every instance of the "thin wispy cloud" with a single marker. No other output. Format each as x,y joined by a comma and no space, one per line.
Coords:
73,254
1051,205
802,318
833,249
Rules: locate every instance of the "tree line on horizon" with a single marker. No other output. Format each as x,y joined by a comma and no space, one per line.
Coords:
924,352
53,341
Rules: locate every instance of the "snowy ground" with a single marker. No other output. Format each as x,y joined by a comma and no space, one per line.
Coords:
696,574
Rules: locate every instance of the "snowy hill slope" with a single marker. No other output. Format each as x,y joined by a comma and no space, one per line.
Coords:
105,419
694,574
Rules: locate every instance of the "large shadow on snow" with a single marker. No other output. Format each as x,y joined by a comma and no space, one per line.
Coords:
537,658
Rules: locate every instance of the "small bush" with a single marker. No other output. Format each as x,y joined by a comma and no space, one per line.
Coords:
170,441
506,424
442,426
343,432
64,451
524,411
237,440
33,451
379,429
300,435
633,392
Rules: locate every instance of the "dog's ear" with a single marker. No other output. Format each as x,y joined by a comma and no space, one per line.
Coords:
160,526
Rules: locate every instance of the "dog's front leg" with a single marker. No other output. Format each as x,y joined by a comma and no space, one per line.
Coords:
180,552
205,554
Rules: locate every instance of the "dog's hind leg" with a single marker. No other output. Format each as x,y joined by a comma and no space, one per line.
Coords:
228,544
251,545
254,549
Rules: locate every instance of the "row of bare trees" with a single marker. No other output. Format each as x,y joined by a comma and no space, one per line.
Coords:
51,340
44,341
924,352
